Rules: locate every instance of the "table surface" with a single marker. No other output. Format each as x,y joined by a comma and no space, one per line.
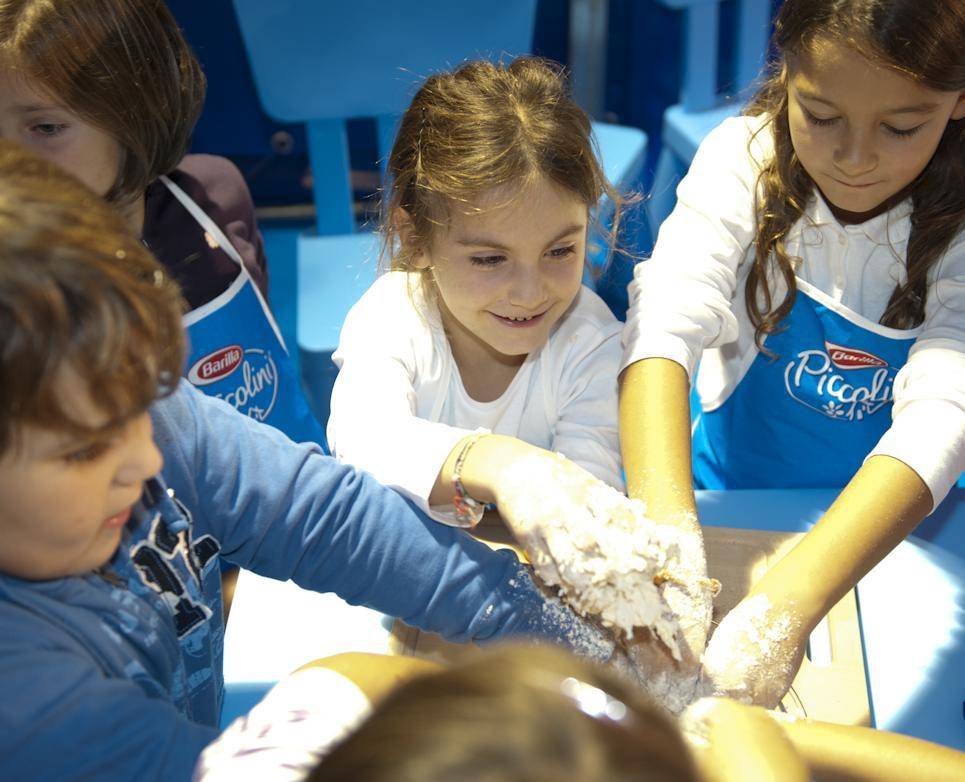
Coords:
914,648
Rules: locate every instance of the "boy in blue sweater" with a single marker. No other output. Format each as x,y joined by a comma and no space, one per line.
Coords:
119,486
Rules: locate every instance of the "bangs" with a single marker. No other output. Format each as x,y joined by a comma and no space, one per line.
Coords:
120,340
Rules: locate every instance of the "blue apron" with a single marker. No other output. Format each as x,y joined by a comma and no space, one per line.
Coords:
810,417
236,351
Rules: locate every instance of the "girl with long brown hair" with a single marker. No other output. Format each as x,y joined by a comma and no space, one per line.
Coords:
814,267
480,348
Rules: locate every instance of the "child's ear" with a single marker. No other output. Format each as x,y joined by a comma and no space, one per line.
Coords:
959,111
405,229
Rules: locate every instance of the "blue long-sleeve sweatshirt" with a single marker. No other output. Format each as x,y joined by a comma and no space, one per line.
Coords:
117,675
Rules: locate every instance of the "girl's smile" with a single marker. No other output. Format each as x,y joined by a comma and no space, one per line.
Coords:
855,185
520,321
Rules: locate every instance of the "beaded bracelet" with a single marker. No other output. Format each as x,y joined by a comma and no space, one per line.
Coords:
468,510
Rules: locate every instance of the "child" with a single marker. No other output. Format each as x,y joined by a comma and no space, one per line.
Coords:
512,714
814,266
111,635
109,90
481,347
533,714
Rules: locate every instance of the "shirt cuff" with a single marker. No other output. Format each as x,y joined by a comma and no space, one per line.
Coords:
416,482
667,346
929,437
285,735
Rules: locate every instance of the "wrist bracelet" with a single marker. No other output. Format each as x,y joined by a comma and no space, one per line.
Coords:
468,510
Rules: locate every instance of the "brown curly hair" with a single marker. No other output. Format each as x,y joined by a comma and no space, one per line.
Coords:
78,293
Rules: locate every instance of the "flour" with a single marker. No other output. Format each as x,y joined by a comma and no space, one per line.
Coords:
605,557
649,668
557,622
750,657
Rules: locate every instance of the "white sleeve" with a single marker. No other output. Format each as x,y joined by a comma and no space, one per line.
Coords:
586,430
928,427
681,298
373,423
286,735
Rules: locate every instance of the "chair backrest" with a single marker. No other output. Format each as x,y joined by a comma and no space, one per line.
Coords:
325,61
701,43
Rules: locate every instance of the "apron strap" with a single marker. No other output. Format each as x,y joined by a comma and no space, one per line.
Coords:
203,220
209,225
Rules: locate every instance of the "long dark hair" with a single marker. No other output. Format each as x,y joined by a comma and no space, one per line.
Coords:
922,39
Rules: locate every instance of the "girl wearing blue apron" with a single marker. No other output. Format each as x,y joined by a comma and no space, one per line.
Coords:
810,416
814,266
237,353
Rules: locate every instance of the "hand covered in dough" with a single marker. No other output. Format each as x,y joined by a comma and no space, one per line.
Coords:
603,553
755,652
689,594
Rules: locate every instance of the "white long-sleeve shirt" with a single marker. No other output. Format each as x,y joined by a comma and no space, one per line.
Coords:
288,733
687,303
399,406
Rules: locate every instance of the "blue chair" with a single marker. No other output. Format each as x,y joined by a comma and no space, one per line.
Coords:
702,107
323,62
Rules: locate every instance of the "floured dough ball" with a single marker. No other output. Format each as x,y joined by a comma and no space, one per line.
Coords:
599,548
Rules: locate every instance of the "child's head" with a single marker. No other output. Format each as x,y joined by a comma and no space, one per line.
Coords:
868,100
108,89
492,180
519,714
90,335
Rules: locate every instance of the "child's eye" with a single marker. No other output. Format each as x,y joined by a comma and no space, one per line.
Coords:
562,252
487,260
88,453
823,123
902,132
48,129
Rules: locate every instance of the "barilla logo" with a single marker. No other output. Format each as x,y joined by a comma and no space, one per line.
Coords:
850,358
812,379
256,388
215,366
246,378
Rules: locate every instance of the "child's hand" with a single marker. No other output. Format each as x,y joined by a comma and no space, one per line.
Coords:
674,682
755,653
536,497
735,743
607,557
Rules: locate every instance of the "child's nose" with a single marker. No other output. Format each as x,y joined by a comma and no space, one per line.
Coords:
527,290
856,155
141,459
